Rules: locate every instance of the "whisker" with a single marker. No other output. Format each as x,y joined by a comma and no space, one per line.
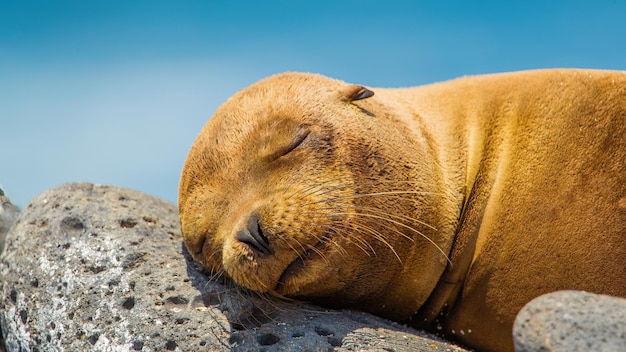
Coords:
291,246
363,195
322,191
410,229
214,253
335,228
376,181
329,184
340,184
401,217
355,239
380,237
377,235
304,191
398,223
319,252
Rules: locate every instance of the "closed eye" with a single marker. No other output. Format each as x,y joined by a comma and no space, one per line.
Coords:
300,137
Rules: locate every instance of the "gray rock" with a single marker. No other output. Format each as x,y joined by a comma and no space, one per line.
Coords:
101,268
571,321
8,215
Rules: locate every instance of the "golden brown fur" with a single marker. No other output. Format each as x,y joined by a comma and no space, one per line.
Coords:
466,198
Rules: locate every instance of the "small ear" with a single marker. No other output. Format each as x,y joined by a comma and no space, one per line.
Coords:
355,92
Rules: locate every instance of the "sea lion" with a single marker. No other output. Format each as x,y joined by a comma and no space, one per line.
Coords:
448,206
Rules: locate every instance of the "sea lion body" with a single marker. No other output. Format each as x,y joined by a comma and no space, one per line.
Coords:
450,204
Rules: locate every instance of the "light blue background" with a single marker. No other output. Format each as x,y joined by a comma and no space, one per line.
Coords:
116,91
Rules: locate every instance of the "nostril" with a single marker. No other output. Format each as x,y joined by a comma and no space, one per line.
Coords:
253,236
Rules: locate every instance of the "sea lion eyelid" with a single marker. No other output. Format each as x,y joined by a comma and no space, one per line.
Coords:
297,141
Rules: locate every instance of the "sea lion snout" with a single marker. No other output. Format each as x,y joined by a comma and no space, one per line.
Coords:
253,236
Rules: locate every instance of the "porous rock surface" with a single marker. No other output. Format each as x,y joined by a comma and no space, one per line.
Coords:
100,268
571,321
8,215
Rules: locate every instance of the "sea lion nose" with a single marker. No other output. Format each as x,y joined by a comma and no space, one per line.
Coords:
253,236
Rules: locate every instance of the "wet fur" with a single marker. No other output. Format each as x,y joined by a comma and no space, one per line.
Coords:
530,166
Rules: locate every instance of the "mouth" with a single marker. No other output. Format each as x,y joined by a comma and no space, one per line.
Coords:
296,267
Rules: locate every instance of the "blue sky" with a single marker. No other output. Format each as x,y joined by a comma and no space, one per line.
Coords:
115,91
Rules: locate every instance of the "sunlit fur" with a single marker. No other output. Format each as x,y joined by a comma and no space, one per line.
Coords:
363,213
337,198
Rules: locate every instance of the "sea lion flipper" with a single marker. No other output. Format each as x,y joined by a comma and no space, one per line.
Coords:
356,92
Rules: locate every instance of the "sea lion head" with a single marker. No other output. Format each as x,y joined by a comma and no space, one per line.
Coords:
308,187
